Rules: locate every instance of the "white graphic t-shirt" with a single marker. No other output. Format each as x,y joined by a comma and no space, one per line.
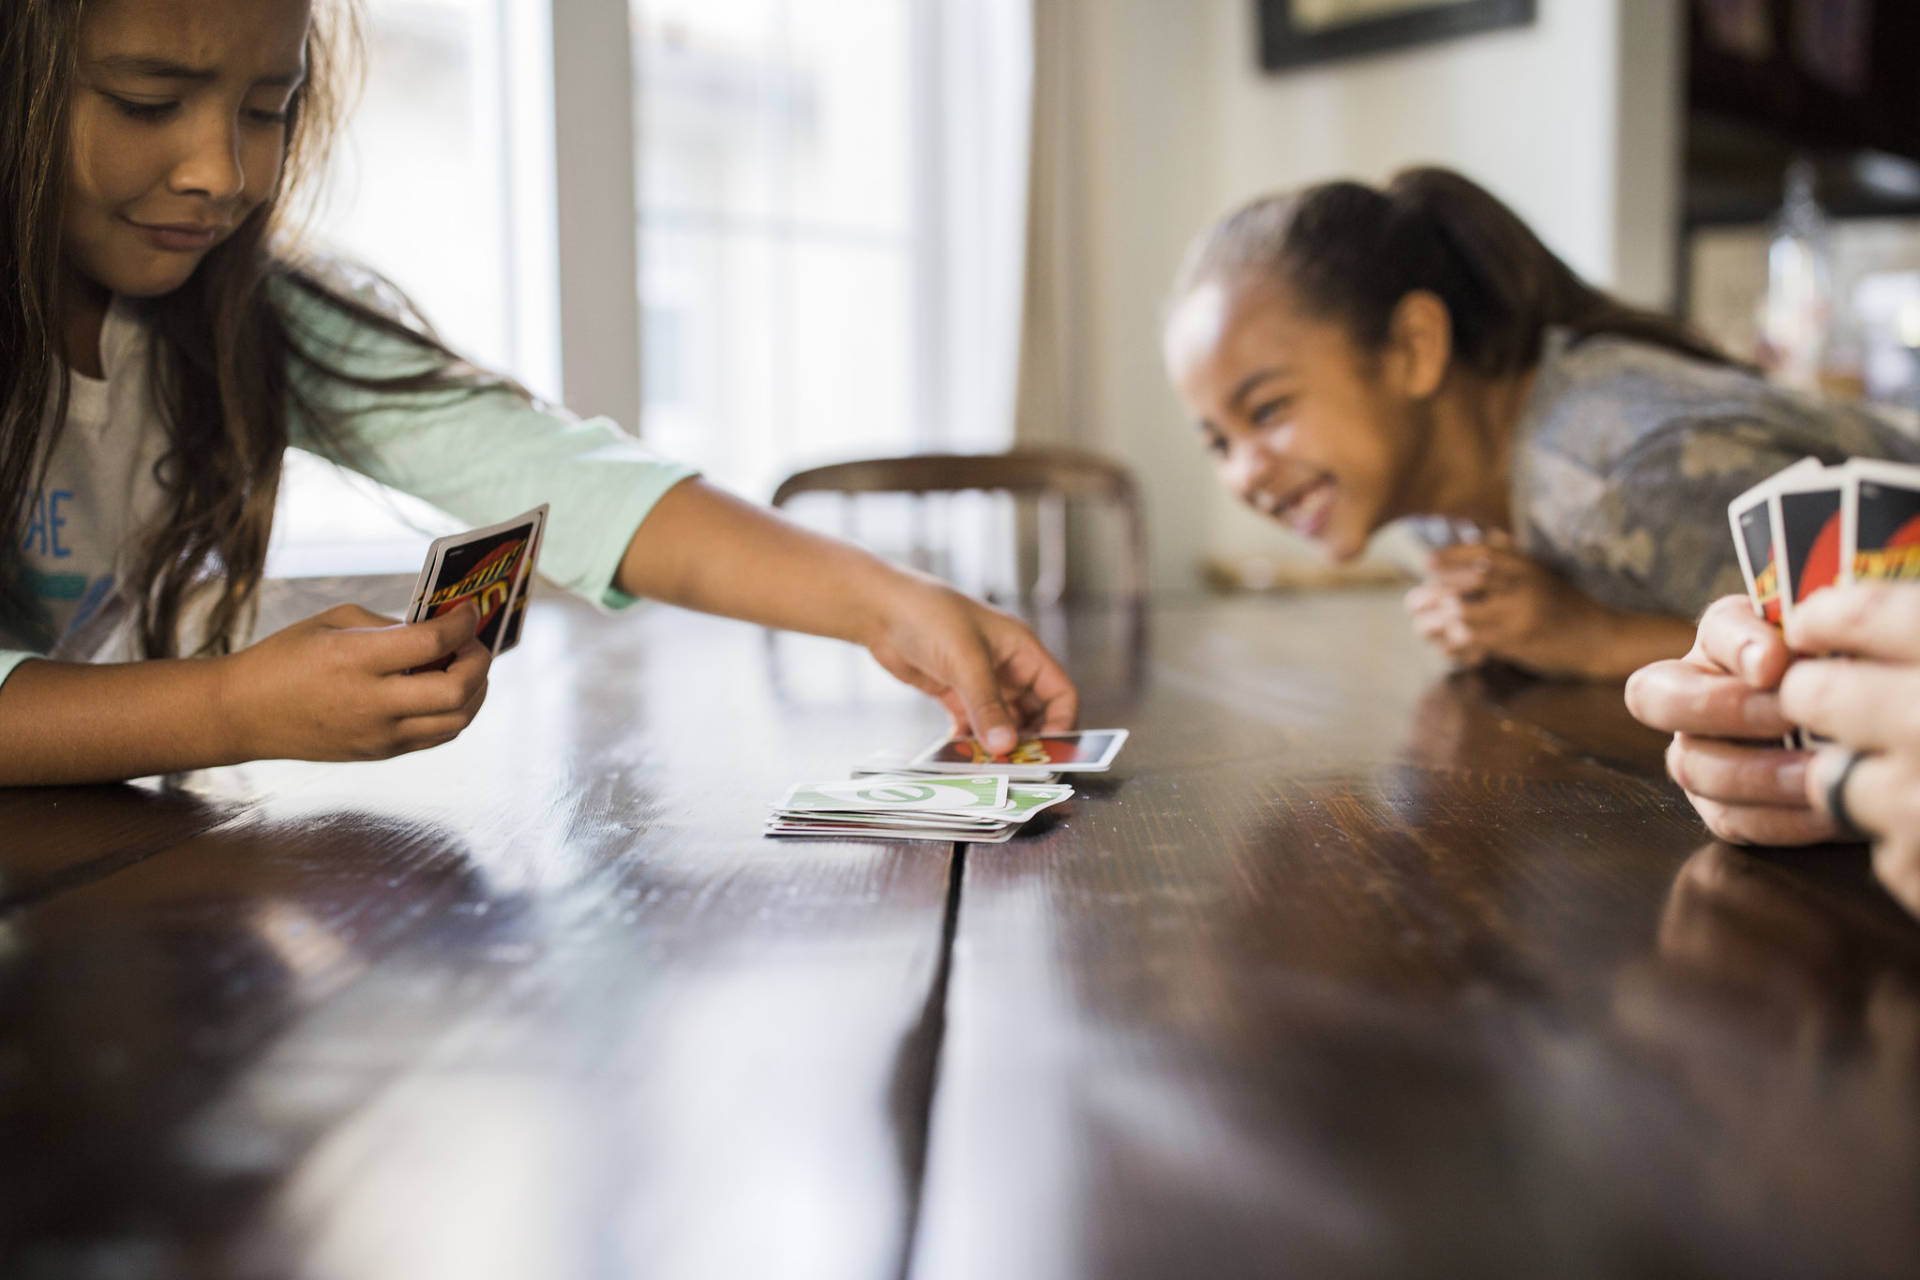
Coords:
480,455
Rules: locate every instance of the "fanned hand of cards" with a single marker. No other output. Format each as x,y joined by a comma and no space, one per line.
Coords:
1812,526
493,567
953,791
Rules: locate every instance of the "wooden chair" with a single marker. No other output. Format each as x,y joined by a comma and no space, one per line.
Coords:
1050,477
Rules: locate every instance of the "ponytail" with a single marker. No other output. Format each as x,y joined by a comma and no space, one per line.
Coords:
1351,252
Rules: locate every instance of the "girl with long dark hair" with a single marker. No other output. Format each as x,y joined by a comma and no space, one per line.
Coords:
161,345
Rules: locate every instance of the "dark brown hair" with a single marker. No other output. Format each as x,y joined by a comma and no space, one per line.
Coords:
1350,252
224,359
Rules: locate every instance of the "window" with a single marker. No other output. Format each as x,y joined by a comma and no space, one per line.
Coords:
777,232
790,162
421,187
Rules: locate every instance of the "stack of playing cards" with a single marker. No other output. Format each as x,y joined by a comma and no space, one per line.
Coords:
952,791
493,567
1811,526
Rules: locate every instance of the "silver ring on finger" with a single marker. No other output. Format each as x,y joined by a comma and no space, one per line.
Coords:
1837,798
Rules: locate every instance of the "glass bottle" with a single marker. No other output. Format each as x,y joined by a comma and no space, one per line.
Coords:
1797,312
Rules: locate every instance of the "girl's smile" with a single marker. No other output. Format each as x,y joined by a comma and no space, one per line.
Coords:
1298,428
183,237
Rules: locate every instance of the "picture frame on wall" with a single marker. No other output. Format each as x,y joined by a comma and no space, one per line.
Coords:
1298,33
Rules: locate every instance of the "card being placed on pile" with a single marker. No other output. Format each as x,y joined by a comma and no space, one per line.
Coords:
1882,524
892,762
1085,751
491,566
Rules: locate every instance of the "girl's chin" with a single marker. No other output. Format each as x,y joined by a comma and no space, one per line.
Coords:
1342,545
150,277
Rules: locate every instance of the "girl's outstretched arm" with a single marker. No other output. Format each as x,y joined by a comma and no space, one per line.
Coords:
334,687
706,550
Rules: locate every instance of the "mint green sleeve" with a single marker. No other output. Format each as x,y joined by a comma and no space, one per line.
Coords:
10,660
479,455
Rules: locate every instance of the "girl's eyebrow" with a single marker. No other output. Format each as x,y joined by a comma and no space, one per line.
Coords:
1251,381
167,69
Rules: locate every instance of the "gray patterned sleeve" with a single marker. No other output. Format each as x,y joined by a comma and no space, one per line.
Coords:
1651,534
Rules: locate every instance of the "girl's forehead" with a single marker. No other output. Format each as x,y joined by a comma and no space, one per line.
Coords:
1218,318
211,35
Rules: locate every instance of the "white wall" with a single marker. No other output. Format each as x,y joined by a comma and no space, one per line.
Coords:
1574,121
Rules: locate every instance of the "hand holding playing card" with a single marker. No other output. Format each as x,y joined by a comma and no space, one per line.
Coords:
1866,698
1722,706
337,686
986,668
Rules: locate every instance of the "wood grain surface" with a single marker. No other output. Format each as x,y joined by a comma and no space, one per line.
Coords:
1352,967
541,1003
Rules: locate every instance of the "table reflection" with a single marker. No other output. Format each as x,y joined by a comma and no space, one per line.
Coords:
1795,1027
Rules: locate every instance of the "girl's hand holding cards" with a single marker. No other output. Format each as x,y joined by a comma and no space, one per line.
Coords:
345,685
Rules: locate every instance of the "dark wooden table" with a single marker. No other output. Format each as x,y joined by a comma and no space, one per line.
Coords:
1350,968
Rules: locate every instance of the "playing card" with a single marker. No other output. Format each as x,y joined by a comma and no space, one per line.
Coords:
837,831
1804,510
1751,517
1024,801
488,566
517,606
1881,524
888,795
843,817
1085,751
890,762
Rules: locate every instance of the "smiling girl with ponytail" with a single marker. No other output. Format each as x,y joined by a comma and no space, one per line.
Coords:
1355,355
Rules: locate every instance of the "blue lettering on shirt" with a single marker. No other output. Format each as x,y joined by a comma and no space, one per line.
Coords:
56,522
45,520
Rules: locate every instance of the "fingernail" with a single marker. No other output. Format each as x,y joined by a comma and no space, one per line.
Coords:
1001,740
1792,777
1753,659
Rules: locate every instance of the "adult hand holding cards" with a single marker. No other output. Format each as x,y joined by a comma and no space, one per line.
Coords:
493,567
1811,526
952,791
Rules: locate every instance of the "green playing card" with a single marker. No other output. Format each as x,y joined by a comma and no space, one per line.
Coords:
1024,801
891,795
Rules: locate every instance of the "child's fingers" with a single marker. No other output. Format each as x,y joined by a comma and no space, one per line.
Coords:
438,692
1041,687
1871,619
978,687
401,648
354,617
463,687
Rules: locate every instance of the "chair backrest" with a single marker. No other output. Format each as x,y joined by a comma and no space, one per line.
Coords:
1051,477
